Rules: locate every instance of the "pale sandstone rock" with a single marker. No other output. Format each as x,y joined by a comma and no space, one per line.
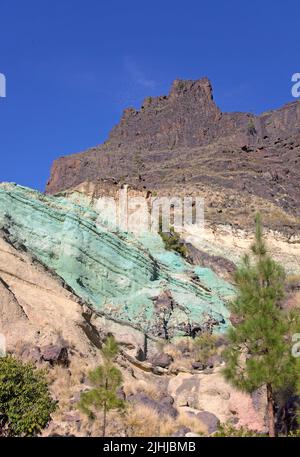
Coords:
232,244
35,309
211,393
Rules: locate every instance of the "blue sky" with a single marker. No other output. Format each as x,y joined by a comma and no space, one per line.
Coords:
72,66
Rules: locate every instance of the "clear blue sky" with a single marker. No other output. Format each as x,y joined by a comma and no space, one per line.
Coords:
72,66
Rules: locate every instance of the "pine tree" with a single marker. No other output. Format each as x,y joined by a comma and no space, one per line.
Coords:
259,351
106,379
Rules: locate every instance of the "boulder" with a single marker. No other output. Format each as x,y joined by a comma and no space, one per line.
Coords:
210,421
161,360
160,407
140,355
209,392
214,361
182,431
32,354
184,388
159,371
198,366
167,400
55,354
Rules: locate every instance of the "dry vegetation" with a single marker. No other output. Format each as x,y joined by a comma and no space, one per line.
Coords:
144,421
67,383
293,282
186,350
133,387
138,419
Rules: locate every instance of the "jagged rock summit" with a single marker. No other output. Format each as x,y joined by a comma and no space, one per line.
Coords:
184,140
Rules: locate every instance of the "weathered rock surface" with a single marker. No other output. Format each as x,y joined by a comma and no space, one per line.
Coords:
209,420
118,274
211,393
41,318
163,408
35,309
55,354
67,279
220,265
198,366
184,140
231,243
162,360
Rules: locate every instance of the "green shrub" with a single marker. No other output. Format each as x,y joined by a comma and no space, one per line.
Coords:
228,430
251,128
173,242
294,434
204,347
25,401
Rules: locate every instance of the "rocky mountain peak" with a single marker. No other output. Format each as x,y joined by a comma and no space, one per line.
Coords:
184,117
200,88
183,140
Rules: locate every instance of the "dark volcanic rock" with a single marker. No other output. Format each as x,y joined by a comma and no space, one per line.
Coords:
140,355
55,354
187,116
164,306
198,366
185,138
210,421
219,265
31,353
162,408
287,417
161,360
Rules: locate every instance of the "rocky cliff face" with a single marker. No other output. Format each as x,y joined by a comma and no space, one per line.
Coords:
189,117
45,322
68,277
36,307
117,274
183,140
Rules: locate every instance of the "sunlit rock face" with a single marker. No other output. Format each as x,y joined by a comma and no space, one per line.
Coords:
134,280
183,140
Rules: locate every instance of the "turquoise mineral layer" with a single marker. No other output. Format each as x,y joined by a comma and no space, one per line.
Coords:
118,274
